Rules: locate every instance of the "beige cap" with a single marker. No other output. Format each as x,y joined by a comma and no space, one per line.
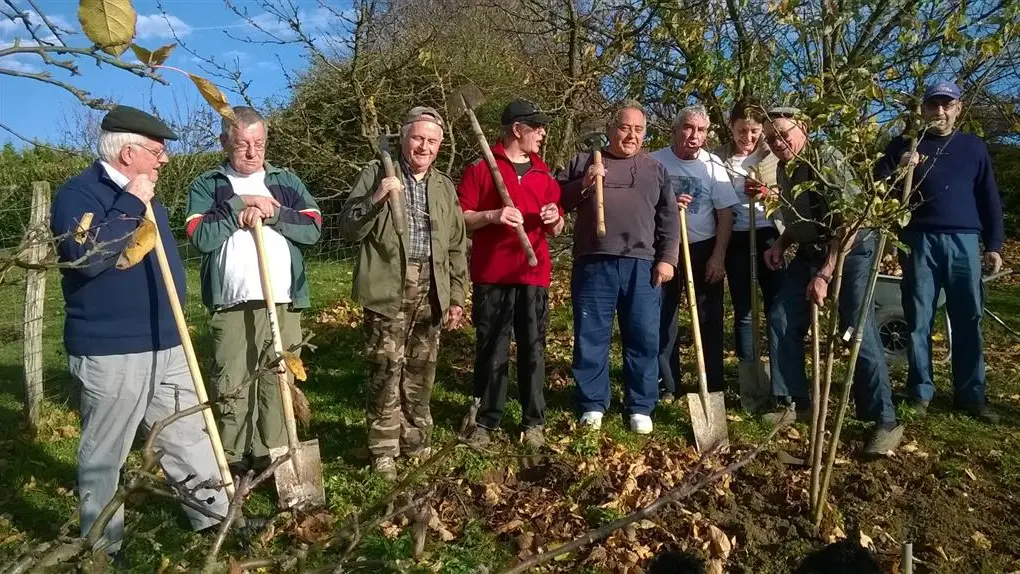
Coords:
423,114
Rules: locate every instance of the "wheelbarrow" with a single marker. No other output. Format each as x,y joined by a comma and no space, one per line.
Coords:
893,329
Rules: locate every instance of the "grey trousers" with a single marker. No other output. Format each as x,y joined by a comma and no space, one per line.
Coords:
119,393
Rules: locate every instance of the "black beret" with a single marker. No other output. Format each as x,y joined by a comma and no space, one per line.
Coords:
135,121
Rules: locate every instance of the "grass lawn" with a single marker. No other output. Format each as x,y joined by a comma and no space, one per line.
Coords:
954,477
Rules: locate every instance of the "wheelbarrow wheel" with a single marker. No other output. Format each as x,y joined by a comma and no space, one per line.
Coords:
894,333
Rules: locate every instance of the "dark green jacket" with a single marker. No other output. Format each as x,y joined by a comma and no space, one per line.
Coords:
382,262
808,200
213,208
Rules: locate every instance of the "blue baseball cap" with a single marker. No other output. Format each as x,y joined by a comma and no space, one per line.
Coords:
948,89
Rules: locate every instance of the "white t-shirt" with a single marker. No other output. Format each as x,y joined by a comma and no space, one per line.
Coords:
742,210
238,260
706,181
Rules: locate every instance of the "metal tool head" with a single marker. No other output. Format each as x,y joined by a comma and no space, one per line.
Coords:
299,480
593,134
462,99
708,421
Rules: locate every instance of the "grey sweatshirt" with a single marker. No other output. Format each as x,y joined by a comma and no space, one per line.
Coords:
642,220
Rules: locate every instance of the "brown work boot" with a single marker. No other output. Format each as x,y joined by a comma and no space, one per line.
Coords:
385,467
534,437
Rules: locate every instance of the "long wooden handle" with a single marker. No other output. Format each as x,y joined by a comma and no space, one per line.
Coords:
497,178
396,199
693,304
600,198
274,327
189,353
755,301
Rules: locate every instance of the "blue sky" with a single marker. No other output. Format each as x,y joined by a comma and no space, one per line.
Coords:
41,111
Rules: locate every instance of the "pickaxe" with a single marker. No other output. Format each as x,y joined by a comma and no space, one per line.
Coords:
463,101
594,138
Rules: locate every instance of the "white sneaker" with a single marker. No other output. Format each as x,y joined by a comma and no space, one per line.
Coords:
641,424
592,419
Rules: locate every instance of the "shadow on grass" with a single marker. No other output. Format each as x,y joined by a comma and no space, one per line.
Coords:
34,469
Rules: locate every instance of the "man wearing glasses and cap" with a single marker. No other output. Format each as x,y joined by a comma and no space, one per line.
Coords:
819,233
409,286
508,294
955,206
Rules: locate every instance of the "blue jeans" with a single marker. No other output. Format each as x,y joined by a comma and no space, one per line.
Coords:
738,273
790,319
599,287
949,261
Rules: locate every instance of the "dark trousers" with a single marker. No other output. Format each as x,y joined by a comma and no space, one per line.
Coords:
601,286
790,320
498,311
709,297
738,273
950,261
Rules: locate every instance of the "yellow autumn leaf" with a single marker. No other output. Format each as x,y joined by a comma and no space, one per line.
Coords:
161,55
140,244
152,59
108,23
295,365
214,96
144,56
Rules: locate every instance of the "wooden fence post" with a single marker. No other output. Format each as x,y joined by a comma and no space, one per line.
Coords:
37,241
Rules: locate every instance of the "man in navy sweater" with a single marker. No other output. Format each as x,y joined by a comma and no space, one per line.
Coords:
955,206
122,344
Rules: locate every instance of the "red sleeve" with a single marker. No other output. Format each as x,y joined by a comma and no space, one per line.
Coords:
468,191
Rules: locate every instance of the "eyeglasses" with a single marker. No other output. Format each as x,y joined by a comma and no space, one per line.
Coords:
777,136
243,148
158,154
935,104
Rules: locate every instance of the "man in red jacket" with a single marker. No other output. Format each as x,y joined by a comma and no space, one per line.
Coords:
508,293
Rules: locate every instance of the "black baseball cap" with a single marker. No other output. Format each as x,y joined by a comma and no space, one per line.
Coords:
521,110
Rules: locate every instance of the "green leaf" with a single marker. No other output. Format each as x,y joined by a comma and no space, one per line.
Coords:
110,24
214,96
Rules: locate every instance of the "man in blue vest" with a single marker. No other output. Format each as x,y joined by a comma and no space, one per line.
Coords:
955,206
122,344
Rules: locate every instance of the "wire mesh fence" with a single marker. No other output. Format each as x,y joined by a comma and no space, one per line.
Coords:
39,312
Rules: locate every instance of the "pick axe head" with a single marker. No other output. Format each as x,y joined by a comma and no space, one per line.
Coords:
460,100
142,241
592,134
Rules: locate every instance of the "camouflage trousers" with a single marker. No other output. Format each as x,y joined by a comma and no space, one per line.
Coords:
402,353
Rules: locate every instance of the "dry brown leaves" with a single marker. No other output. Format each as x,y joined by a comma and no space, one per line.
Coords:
553,502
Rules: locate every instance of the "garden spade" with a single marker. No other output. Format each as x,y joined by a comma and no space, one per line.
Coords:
463,101
708,410
594,139
299,480
189,354
755,300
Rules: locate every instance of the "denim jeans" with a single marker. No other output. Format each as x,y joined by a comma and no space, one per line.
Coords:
710,317
949,261
790,318
738,273
601,287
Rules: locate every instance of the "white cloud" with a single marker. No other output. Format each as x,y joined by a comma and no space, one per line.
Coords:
20,66
315,23
238,55
15,28
158,26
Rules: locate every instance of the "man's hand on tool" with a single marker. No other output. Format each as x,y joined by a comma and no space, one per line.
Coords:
386,186
589,176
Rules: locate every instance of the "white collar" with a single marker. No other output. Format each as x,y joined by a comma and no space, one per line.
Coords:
117,177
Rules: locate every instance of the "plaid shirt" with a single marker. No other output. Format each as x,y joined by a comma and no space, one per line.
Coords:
419,233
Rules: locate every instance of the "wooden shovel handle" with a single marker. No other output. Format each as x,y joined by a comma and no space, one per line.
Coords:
274,327
396,198
755,301
497,178
693,304
600,203
189,354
